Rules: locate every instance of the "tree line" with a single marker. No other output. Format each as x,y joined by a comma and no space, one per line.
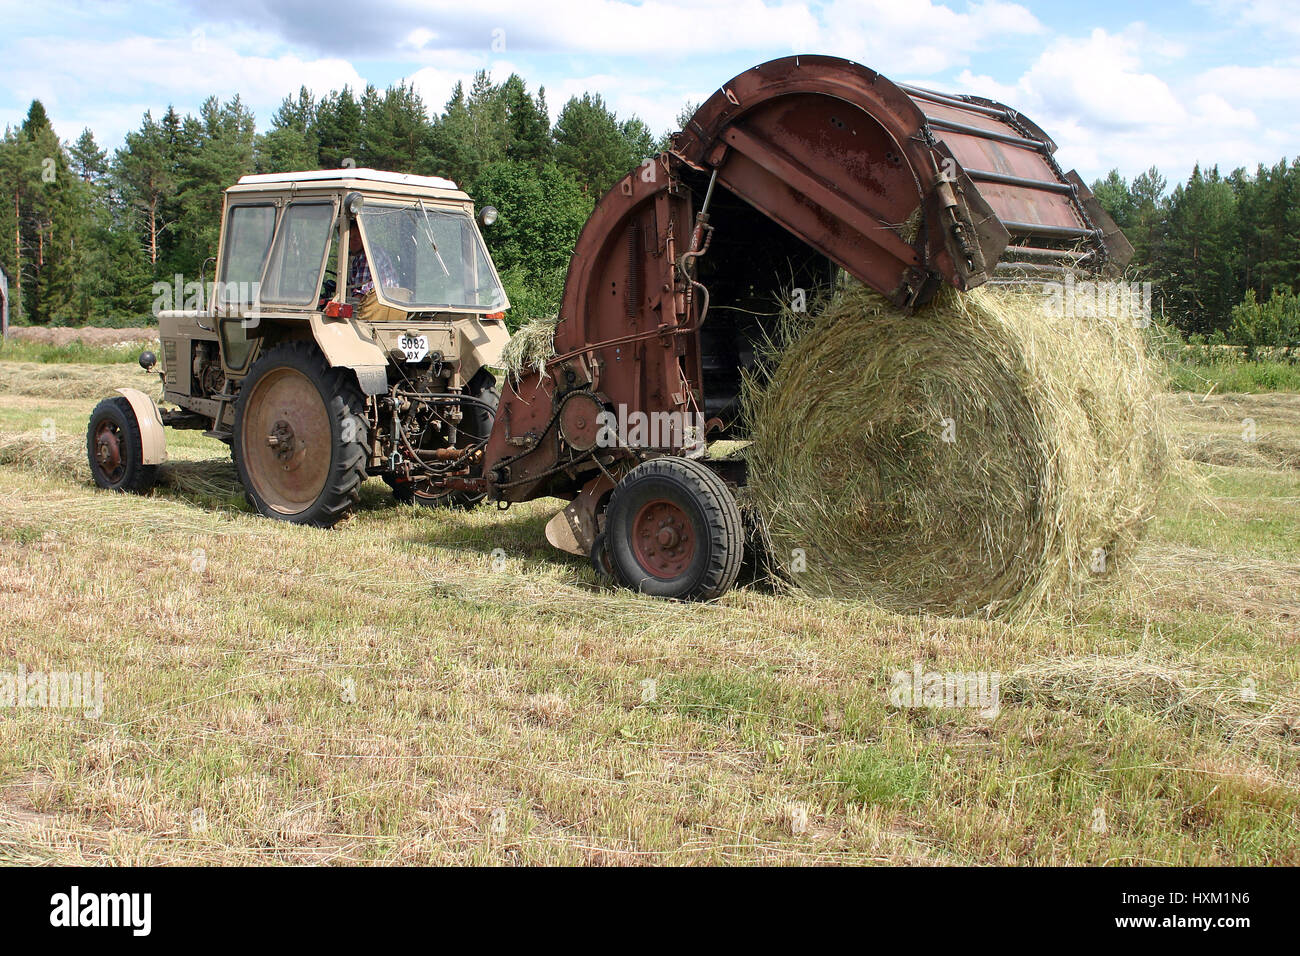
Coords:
1222,252
85,234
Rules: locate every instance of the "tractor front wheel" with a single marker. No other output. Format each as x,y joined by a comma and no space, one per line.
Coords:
673,530
300,436
116,450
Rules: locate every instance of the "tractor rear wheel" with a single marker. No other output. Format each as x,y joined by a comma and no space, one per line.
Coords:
673,530
116,449
300,436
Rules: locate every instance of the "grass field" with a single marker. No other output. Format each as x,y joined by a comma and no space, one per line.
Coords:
1235,376
399,691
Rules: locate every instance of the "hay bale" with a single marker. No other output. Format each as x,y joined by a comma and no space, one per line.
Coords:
977,457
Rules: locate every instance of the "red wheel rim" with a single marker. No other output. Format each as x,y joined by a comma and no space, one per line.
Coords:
108,450
663,539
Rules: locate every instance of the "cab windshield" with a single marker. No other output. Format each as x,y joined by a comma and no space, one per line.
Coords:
428,257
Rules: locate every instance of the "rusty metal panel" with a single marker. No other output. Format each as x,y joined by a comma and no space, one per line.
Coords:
850,168
1011,161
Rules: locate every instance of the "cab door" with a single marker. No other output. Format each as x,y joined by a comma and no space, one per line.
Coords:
246,242
292,262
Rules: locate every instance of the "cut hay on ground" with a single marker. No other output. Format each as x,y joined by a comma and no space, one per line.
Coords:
1171,691
977,457
66,380
1265,452
214,479
57,457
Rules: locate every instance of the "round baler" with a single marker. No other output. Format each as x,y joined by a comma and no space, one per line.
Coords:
792,171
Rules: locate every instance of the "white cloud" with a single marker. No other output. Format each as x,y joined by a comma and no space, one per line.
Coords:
667,28
1275,83
656,100
1095,96
919,38
1271,15
69,74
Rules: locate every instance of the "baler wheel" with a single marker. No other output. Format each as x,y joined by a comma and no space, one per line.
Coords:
673,530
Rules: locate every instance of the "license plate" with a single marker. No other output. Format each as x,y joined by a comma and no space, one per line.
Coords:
414,347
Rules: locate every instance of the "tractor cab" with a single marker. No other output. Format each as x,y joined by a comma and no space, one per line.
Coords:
385,249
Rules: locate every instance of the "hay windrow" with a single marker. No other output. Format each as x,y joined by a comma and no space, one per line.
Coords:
980,456
65,457
1177,692
64,380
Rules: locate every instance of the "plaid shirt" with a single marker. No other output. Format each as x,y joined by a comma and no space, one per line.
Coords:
360,280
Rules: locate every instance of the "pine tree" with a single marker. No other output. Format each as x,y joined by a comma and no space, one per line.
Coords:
145,175
1197,256
395,129
592,145
528,122
292,142
337,128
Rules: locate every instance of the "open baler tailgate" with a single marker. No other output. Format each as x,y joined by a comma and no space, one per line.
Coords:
1051,216
902,187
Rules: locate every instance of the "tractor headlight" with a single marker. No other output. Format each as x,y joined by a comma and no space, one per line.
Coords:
487,215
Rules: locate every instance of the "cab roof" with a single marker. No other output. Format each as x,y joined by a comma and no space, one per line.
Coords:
371,180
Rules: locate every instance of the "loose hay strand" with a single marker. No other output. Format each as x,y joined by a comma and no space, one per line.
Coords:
981,456
530,348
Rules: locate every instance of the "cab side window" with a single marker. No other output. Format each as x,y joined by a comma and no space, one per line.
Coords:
248,239
294,272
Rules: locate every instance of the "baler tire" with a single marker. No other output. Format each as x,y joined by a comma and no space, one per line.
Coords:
697,549
341,400
115,419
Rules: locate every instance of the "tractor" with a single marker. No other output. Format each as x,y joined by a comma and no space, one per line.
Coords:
350,331
794,172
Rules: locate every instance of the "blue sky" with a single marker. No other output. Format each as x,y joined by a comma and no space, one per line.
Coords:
1117,84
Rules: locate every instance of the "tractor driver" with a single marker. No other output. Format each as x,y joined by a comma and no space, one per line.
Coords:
361,278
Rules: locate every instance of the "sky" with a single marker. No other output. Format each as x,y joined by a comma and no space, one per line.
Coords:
1117,84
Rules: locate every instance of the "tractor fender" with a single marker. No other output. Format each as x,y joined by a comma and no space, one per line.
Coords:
480,343
345,347
153,440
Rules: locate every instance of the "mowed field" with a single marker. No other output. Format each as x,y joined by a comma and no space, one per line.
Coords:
397,690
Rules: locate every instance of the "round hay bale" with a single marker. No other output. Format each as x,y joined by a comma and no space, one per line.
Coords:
977,457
